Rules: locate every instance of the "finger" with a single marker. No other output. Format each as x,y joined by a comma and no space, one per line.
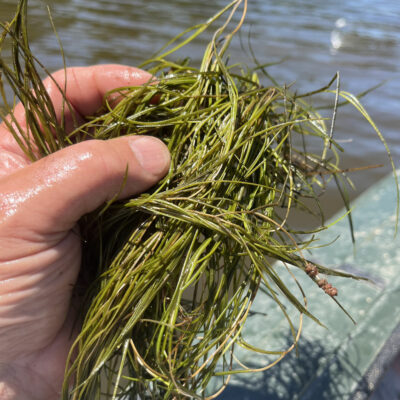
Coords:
49,196
9,162
85,88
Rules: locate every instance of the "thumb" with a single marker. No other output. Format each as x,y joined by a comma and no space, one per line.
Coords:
50,195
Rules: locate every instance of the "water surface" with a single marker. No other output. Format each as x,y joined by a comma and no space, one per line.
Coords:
316,38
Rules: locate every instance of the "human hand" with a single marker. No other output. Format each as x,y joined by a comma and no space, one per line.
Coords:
40,205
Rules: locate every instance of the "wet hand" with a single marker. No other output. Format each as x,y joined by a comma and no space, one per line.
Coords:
40,252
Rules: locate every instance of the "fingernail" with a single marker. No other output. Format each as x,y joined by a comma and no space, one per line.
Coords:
152,154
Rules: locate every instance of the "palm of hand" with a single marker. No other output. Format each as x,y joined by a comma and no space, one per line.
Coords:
36,329
38,269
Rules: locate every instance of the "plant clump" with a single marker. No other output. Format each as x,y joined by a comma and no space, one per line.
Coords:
174,271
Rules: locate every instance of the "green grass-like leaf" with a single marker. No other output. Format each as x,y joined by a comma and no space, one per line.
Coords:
177,269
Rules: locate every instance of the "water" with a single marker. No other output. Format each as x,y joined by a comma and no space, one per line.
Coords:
361,39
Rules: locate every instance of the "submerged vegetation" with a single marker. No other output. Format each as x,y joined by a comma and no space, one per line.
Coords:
171,274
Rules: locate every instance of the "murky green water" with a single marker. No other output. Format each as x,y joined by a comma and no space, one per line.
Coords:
316,38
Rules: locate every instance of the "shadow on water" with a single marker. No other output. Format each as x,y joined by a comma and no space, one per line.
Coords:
313,374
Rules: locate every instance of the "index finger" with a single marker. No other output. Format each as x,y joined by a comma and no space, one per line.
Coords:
85,91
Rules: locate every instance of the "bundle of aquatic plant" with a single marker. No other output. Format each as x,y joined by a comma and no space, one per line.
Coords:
173,272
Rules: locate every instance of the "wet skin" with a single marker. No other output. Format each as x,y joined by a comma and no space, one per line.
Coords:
40,252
